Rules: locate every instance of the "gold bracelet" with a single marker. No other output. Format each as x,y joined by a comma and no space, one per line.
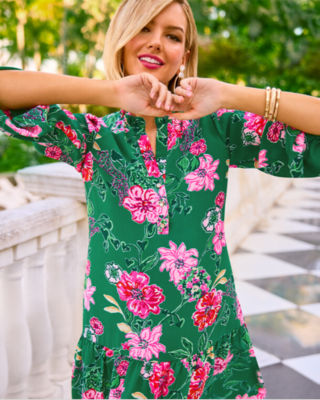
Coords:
272,103
275,115
268,90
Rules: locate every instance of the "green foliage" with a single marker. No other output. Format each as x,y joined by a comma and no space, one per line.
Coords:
253,42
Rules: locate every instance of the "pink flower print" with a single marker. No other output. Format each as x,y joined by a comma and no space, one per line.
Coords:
94,123
275,131
32,131
147,344
88,294
161,379
117,393
176,129
239,313
198,380
208,307
262,162
122,368
143,204
178,260
219,240
70,133
148,156
92,394
69,114
88,267
53,152
203,177
198,147
262,392
109,352
255,123
141,299
251,352
300,143
86,167
220,364
223,111
220,199
120,126
96,325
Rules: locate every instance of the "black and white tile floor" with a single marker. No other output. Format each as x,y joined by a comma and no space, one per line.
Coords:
277,271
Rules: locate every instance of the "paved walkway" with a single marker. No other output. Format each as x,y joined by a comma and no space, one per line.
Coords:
277,272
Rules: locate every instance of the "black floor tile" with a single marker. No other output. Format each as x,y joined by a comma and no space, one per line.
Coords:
299,289
285,334
309,237
283,382
309,259
310,221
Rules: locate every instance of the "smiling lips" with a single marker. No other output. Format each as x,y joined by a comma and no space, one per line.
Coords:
150,61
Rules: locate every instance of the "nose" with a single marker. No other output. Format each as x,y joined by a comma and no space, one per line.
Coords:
155,45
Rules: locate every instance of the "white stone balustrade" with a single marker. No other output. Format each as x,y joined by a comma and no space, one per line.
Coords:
43,249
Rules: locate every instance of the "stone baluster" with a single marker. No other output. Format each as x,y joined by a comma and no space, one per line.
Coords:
39,384
16,332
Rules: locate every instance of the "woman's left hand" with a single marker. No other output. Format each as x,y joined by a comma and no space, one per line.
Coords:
206,98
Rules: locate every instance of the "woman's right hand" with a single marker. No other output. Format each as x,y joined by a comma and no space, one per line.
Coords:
144,94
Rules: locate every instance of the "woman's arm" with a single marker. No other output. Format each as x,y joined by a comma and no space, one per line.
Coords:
297,110
25,89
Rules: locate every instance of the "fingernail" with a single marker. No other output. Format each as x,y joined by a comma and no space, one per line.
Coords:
189,93
159,104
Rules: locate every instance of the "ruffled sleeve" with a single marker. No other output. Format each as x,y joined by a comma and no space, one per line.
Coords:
272,147
55,133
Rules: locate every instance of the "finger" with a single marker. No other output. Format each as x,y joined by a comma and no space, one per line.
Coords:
155,89
162,96
184,115
183,92
188,83
168,103
178,99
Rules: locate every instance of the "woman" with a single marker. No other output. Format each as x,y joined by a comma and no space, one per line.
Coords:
161,317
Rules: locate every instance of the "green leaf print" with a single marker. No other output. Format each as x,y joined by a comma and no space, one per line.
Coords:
202,341
187,344
115,243
183,163
296,167
180,353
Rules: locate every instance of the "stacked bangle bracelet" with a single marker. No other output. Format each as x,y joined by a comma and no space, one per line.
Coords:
272,103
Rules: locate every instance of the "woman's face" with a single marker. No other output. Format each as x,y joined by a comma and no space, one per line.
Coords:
160,46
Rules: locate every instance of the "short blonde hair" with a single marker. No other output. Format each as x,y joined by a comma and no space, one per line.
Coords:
131,17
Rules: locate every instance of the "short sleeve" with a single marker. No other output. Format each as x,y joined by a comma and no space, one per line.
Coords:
272,147
55,133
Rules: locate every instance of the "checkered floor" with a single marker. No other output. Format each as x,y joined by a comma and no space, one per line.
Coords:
277,271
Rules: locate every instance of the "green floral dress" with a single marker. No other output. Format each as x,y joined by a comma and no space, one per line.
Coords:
161,317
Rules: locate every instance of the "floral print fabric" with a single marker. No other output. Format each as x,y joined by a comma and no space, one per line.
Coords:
161,317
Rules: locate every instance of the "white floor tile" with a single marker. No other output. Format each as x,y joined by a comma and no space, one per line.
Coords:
308,366
254,266
315,273
279,225
254,300
273,243
299,194
312,309
265,359
292,213
307,183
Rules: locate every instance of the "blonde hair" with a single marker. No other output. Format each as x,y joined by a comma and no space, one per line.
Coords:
131,17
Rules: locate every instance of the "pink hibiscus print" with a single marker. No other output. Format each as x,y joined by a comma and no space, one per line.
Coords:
262,161
88,293
219,239
69,114
220,199
223,111
53,152
220,364
176,129
88,267
147,344
122,368
117,392
178,260
255,123
148,156
262,392
86,167
161,379
92,394
140,297
300,143
203,177
239,313
198,147
96,325
70,133
32,131
94,123
143,204
275,131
